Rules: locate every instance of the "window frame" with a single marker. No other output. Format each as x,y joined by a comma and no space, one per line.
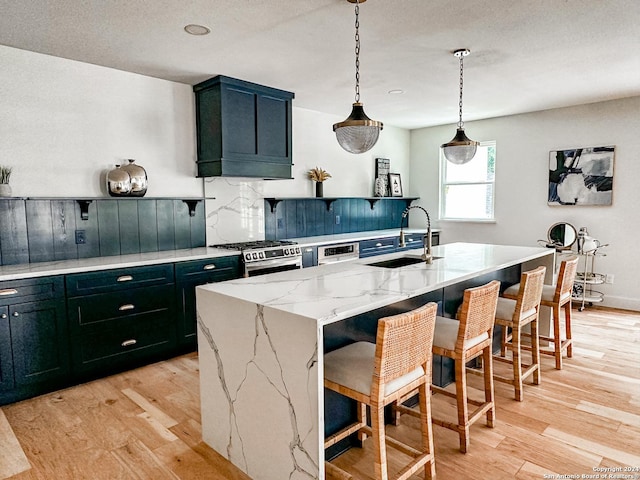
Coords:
443,184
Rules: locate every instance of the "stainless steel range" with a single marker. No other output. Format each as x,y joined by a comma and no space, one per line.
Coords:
266,256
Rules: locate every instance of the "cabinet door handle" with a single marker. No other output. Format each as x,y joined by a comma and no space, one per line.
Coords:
124,278
378,244
16,314
8,291
210,266
129,343
3,316
126,306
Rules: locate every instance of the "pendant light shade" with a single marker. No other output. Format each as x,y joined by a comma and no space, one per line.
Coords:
357,133
460,149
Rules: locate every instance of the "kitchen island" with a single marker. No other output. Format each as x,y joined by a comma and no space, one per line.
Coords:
261,343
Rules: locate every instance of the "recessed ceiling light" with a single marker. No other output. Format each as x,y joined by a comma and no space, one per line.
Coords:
195,29
397,91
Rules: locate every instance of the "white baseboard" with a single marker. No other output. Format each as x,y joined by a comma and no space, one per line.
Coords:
624,303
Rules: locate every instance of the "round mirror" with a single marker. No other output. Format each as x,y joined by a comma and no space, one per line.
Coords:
562,235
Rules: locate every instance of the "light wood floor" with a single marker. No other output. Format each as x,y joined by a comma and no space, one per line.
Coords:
145,423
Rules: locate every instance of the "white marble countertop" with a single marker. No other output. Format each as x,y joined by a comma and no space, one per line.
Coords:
43,269
332,292
355,236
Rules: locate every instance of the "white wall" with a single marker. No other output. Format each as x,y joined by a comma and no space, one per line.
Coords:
64,123
522,215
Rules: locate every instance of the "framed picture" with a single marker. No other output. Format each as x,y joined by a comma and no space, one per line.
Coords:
581,176
395,184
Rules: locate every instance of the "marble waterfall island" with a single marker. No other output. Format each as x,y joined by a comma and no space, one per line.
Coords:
261,342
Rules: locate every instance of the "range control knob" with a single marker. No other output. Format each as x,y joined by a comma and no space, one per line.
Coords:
261,254
247,256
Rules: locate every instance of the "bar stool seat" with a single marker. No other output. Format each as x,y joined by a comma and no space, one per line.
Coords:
557,297
377,375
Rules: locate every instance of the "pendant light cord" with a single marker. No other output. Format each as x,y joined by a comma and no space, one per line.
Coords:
357,52
460,122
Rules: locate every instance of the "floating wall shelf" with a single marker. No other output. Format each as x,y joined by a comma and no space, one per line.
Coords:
273,201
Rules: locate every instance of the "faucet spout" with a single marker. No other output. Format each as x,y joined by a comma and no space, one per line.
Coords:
426,241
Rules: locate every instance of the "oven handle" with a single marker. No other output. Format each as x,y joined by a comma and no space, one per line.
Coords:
253,266
329,260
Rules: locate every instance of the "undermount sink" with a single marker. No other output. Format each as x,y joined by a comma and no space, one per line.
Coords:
399,262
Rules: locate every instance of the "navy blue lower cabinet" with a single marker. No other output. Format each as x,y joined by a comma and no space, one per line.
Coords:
188,276
378,246
33,338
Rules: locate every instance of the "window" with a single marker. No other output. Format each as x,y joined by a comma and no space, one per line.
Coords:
467,191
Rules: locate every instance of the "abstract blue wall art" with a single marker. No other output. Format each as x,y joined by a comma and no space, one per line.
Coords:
581,176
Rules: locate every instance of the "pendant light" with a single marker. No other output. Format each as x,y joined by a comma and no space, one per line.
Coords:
358,133
460,149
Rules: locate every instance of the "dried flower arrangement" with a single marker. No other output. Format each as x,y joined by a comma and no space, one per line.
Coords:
318,174
5,174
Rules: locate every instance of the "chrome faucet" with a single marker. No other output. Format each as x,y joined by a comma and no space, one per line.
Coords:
426,240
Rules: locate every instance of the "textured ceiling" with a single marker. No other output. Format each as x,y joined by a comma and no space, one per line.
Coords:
526,55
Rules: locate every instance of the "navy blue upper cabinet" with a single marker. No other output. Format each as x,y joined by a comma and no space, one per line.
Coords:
244,129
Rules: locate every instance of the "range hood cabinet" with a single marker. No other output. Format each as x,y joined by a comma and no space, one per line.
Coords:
244,129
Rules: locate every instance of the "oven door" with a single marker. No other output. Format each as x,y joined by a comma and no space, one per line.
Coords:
253,269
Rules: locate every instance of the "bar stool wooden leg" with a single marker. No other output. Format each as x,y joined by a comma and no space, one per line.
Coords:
535,351
487,367
557,337
362,419
380,453
463,408
567,326
516,353
503,341
427,429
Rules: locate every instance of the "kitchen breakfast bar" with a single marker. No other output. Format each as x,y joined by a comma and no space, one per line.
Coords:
261,342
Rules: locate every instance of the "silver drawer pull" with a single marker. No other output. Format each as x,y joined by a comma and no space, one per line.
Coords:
210,266
378,244
8,291
124,278
126,306
129,343
16,314
3,316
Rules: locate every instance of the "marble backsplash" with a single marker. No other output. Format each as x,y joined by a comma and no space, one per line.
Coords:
234,210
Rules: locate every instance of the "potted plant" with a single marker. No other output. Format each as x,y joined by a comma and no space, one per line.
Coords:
5,175
319,175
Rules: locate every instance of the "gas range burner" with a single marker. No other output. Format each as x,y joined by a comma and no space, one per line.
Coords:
254,245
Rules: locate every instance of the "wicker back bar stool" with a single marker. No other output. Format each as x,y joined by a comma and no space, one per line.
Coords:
464,339
558,298
514,315
377,375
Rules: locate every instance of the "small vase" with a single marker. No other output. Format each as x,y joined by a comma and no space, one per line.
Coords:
138,177
319,190
118,182
5,190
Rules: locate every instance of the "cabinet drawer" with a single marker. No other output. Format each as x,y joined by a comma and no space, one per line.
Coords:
118,279
108,310
31,290
377,246
105,350
210,270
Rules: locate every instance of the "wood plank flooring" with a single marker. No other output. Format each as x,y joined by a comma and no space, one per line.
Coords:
145,423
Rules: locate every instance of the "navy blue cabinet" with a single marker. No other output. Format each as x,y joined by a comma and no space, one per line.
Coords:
33,337
243,129
188,276
121,317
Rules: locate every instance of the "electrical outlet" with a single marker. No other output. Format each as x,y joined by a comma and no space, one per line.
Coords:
81,237
608,278
337,219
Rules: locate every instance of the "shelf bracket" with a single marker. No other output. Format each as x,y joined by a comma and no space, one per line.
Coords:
328,202
191,204
273,203
373,201
84,208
